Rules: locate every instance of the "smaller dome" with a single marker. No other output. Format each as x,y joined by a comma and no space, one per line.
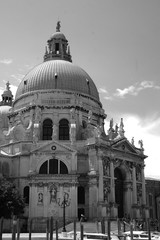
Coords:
4,109
58,35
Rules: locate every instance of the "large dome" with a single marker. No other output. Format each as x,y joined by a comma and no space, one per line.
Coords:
57,74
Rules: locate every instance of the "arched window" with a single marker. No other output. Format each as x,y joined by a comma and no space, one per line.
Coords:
26,194
47,129
53,166
63,129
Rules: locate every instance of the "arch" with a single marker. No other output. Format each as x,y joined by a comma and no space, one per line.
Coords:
26,194
47,129
53,166
63,129
119,191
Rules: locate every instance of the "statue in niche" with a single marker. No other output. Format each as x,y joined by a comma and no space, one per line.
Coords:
40,198
106,190
53,194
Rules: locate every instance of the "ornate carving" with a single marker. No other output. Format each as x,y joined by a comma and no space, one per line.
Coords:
106,166
106,190
40,198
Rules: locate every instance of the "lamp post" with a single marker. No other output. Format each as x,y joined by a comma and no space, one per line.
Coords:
65,203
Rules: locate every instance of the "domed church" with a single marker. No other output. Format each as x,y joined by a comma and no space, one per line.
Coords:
55,148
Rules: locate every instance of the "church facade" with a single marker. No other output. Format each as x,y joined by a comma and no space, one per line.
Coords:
55,148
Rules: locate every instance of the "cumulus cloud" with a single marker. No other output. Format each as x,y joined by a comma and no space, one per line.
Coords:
134,127
136,88
104,91
6,61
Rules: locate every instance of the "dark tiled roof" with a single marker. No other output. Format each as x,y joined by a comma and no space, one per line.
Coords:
58,74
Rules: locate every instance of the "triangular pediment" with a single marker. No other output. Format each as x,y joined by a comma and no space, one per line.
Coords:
51,147
124,145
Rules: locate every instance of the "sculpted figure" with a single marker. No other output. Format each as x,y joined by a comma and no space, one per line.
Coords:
72,133
54,132
89,116
140,142
132,141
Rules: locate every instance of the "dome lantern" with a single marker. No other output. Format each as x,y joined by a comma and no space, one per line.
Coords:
7,96
57,48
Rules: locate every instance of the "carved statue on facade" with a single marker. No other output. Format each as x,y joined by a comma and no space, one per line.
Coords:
140,142
90,116
121,128
58,26
72,133
54,132
53,194
36,125
132,141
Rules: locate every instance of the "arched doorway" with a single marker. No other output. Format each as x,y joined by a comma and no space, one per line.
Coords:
119,191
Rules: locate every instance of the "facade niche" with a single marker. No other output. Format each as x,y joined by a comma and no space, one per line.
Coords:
26,194
81,195
47,129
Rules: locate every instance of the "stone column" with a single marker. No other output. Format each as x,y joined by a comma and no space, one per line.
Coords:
143,187
45,200
112,196
134,185
93,197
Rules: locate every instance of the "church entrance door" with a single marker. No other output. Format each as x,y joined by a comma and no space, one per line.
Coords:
119,194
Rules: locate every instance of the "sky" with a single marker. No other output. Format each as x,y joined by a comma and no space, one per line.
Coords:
117,42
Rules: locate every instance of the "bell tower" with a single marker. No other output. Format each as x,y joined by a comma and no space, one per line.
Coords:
57,48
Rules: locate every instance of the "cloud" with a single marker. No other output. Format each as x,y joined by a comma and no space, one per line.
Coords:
104,91
135,89
6,61
18,77
134,127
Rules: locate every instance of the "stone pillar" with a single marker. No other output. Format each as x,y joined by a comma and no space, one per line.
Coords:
73,203
33,201
134,185
112,195
45,201
92,161
93,197
143,187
